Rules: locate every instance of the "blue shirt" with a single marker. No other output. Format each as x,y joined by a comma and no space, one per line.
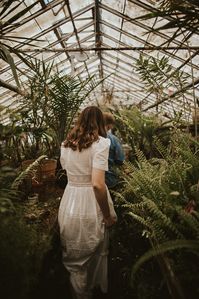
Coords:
116,157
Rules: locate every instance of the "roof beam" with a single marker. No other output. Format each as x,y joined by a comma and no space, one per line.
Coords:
182,90
134,37
60,23
36,14
125,48
62,42
135,22
149,99
54,56
76,32
73,23
120,36
98,38
127,73
164,49
62,39
153,9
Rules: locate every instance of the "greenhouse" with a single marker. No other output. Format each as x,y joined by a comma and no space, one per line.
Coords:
99,149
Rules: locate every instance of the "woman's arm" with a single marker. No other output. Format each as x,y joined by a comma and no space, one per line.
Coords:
99,187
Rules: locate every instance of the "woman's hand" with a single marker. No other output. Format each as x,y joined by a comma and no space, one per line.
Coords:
109,221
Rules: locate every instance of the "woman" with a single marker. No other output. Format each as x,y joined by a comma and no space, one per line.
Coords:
86,208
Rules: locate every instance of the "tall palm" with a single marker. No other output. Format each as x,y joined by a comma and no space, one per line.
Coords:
66,94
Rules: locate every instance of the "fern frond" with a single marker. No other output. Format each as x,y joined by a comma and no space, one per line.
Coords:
29,170
129,167
119,197
140,220
191,245
163,150
140,156
159,233
191,222
153,208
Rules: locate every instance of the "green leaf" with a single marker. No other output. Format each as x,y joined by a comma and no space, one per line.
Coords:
17,16
10,61
190,245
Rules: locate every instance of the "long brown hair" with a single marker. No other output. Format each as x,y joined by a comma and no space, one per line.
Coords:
89,127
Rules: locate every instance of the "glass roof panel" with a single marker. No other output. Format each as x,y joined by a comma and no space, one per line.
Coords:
55,26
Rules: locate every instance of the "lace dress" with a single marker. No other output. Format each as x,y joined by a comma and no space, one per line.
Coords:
83,235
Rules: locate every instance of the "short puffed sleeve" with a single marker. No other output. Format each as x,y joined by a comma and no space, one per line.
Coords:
101,153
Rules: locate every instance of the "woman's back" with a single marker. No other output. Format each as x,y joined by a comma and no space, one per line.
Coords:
79,164
75,162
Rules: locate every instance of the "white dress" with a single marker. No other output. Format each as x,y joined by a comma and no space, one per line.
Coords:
83,235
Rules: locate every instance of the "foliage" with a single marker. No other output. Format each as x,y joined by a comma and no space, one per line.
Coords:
21,253
38,139
7,195
165,247
66,94
44,115
137,129
159,196
30,170
49,107
23,243
162,80
159,75
9,21
11,137
182,16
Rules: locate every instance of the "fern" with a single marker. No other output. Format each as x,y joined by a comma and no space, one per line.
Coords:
155,195
143,181
29,170
189,223
163,150
140,220
140,156
191,245
7,195
156,218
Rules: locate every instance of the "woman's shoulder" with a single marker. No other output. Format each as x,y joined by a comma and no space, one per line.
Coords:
102,142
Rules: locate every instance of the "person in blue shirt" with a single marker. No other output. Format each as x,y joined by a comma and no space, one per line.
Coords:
116,153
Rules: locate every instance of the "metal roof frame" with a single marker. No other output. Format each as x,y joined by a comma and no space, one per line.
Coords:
110,51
